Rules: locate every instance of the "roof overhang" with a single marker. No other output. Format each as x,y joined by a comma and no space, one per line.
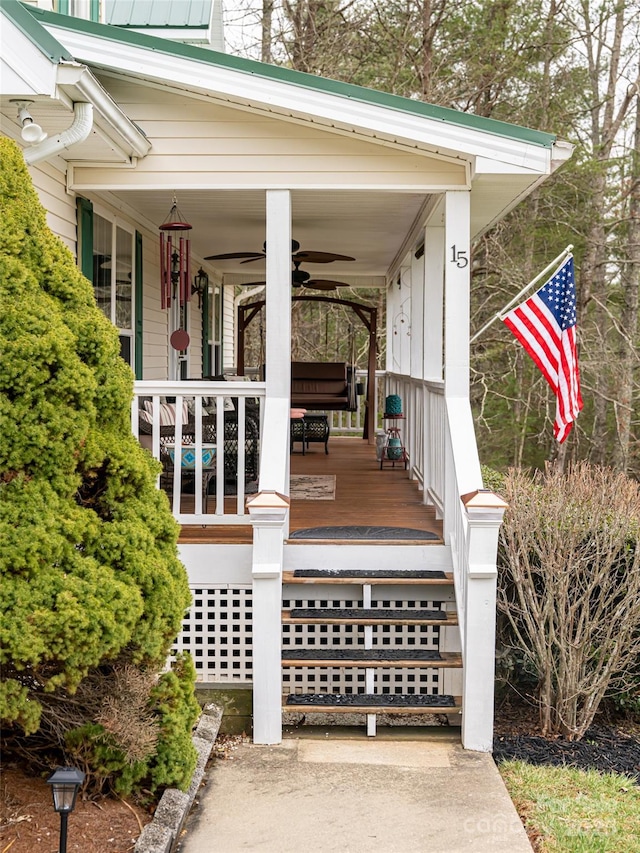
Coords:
501,163
504,162
304,97
37,68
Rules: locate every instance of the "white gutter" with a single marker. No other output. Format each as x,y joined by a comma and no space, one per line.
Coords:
78,82
77,132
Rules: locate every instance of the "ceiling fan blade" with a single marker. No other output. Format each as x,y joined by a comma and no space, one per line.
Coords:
232,255
256,257
252,283
320,257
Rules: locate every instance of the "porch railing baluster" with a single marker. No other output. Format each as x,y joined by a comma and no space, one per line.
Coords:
179,418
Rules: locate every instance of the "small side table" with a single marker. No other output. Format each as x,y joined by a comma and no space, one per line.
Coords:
393,449
316,428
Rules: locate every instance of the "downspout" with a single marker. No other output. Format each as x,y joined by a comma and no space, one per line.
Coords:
77,132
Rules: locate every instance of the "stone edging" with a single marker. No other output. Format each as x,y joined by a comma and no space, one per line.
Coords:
163,833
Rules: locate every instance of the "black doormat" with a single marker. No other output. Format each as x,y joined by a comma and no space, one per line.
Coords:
360,654
362,533
376,613
388,700
421,574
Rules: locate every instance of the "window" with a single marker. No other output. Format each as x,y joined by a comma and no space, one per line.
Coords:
113,270
88,9
212,320
103,240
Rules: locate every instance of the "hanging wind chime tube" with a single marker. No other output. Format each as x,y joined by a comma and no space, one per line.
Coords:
175,259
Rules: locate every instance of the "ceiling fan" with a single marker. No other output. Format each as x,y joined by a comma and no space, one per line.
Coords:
302,278
296,255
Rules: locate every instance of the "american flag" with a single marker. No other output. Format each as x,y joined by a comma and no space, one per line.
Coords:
546,326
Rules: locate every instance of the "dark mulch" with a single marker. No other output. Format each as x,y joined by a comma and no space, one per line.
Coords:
609,747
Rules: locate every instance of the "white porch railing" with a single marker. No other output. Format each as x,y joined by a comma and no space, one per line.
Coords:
440,440
423,430
212,444
352,423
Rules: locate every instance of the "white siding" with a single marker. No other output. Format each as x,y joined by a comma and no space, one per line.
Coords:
228,329
155,321
60,206
195,333
213,146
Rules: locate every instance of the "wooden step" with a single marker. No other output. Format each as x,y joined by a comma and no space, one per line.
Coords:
367,616
367,703
419,577
371,658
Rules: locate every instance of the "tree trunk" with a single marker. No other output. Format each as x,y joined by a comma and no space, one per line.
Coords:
630,278
267,17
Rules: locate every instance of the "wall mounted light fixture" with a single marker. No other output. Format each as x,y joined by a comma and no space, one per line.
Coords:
30,132
200,285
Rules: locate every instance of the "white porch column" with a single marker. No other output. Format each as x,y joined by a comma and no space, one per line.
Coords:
456,355
278,295
417,316
268,511
457,266
433,301
484,513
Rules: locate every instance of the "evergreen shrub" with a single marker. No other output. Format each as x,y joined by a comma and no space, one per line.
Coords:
91,581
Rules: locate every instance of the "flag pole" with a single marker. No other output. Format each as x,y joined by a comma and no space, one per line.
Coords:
527,287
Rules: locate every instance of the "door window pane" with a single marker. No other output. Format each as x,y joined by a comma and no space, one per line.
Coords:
102,248
113,273
124,290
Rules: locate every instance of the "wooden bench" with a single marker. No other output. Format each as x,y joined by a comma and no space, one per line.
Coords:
319,386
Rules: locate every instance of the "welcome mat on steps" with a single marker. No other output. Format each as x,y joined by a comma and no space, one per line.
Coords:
359,654
362,532
313,487
389,700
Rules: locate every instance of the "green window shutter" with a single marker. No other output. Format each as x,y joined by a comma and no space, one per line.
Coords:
206,350
63,7
94,11
85,237
138,308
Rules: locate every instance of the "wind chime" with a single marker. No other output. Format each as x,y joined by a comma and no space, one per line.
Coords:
175,263
175,268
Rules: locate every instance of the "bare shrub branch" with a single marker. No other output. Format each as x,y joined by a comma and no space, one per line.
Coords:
570,586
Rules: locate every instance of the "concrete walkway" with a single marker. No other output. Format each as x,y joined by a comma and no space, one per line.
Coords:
410,792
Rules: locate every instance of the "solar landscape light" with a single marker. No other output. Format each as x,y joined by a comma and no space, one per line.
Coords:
65,783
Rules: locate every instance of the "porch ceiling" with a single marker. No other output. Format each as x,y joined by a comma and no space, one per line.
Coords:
368,226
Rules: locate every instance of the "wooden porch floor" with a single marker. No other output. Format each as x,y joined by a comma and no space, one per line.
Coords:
365,495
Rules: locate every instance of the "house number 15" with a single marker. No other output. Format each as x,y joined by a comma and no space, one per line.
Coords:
459,257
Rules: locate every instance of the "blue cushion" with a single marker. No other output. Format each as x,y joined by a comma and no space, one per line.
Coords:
189,456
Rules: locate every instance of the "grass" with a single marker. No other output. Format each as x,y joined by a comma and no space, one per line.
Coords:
575,811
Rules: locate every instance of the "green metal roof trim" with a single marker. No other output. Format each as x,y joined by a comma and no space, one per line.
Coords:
37,35
299,78
156,14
